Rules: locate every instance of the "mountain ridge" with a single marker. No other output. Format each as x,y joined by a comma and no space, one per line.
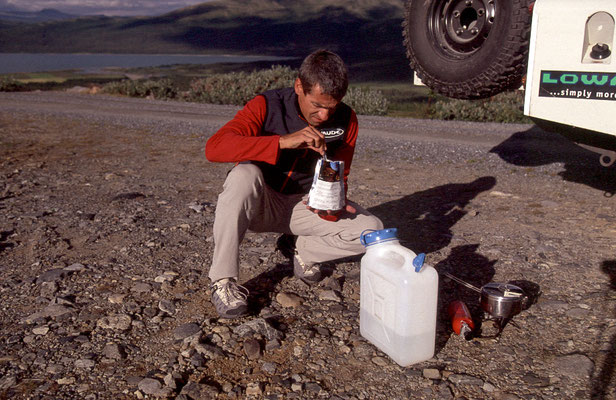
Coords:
270,26
44,15
361,31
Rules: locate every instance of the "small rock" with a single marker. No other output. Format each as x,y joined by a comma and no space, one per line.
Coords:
66,381
488,387
313,387
199,391
117,322
362,350
48,289
496,193
116,298
553,305
198,208
252,349
254,389
75,267
151,386
331,283
197,360
380,361
84,363
186,330
575,366
329,295
52,275
432,373
289,300
164,278
51,311
7,382
41,330
114,351
209,351
142,287
269,367
167,306
170,381
463,379
577,313
272,345
260,326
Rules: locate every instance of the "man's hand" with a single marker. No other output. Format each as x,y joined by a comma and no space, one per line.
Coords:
332,215
309,138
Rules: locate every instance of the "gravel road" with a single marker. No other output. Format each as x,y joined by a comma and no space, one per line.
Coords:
106,236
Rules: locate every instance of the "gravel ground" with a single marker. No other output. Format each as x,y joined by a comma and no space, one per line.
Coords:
106,235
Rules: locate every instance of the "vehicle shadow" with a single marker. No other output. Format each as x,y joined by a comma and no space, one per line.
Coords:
536,147
424,219
602,380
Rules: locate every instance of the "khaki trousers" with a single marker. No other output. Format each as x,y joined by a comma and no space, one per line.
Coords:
248,203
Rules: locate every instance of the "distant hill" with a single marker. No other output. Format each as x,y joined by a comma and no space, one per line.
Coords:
45,15
245,26
365,32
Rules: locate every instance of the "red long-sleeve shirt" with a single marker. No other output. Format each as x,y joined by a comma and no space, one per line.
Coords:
242,139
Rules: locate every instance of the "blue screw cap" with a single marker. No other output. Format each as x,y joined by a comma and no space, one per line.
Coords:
370,237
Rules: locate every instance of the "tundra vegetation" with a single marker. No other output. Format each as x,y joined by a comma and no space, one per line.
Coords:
214,85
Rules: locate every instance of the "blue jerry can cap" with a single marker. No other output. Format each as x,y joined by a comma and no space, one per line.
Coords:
370,237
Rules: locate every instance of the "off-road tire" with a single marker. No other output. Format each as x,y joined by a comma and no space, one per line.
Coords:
453,60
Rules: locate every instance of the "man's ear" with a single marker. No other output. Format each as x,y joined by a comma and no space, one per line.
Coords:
298,87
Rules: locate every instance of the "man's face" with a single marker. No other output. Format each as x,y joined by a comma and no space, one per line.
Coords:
315,106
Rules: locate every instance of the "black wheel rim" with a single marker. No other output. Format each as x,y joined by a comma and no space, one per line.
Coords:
458,28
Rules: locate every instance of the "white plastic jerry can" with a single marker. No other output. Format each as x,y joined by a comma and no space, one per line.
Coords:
398,299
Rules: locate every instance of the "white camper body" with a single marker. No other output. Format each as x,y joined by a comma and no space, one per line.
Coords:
571,77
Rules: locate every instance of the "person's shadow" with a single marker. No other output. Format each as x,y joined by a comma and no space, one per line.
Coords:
466,264
424,219
263,285
536,147
602,381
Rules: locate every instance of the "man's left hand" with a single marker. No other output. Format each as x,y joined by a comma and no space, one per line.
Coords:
333,215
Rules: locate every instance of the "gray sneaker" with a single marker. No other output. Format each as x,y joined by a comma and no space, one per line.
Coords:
309,273
229,298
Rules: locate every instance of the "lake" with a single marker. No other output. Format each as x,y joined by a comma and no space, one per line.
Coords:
37,62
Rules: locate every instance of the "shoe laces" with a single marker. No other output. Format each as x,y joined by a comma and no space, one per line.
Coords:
307,268
228,290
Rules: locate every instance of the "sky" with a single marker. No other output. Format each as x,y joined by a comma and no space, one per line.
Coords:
105,7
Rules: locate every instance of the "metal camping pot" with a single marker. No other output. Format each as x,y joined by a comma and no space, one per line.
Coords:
502,300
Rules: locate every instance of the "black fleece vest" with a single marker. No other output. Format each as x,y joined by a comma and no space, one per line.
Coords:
294,170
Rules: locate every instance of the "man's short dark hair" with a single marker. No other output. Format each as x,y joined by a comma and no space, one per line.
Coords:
328,70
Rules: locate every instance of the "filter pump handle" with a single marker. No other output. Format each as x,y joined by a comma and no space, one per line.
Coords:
418,261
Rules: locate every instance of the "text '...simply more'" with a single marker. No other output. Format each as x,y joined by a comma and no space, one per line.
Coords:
578,85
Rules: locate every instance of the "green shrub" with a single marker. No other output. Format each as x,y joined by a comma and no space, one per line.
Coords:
10,85
239,87
160,89
366,101
505,107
